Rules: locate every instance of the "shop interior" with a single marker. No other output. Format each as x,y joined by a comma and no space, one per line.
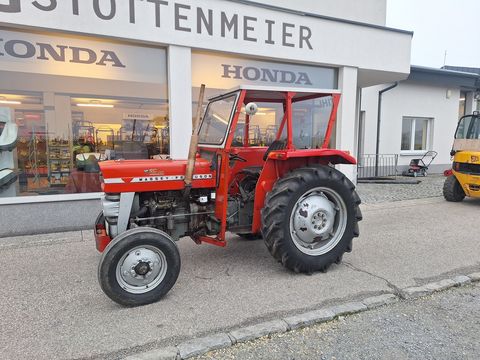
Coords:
57,150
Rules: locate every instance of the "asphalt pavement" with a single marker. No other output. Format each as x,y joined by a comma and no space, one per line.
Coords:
441,326
52,307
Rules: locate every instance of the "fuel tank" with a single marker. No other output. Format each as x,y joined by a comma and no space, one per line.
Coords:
153,175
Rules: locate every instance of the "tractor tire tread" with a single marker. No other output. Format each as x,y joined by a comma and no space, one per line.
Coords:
274,216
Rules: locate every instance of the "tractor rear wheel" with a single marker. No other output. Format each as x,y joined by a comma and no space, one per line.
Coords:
310,218
139,267
452,190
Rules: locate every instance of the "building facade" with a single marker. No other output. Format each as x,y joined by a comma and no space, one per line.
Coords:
103,79
417,115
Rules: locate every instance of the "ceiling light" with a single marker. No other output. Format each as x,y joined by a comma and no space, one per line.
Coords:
3,100
97,105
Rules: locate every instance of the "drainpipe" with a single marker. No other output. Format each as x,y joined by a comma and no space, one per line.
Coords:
379,122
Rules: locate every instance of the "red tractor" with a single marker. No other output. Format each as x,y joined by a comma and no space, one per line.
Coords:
287,192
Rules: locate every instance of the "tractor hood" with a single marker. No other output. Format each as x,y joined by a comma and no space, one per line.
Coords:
153,175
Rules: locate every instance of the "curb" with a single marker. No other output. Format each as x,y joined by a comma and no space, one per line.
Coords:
200,346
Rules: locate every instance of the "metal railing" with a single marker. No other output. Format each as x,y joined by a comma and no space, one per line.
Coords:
372,166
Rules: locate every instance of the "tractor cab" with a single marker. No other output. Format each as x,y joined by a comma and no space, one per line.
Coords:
263,119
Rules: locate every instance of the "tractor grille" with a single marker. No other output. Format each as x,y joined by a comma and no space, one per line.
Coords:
473,169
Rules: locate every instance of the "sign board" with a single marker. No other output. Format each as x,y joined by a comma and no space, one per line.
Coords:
73,56
227,26
137,116
226,72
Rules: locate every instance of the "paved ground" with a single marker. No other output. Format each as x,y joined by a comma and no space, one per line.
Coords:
430,186
52,307
442,326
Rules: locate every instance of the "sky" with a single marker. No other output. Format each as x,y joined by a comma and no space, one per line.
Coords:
439,26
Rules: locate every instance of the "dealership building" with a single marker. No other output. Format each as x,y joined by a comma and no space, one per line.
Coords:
83,80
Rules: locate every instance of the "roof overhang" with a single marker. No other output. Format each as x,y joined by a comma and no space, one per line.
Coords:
464,80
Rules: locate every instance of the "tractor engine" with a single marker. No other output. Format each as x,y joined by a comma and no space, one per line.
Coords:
170,212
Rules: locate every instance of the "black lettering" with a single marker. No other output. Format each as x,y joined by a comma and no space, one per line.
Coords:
77,56
269,75
110,56
1,53
75,9
202,19
286,34
229,25
157,10
12,7
288,77
270,24
247,28
305,36
49,7
131,6
47,48
247,73
11,49
303,78
98,12
179,17
227,71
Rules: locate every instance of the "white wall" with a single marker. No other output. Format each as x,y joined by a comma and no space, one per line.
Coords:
415,100
369,11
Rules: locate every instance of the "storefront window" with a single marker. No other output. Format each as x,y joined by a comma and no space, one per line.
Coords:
60,119
112,129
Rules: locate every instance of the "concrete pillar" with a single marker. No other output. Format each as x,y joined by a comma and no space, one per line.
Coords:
180,100
347,117
470,103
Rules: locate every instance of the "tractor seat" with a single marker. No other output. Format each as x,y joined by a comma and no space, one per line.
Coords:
274,146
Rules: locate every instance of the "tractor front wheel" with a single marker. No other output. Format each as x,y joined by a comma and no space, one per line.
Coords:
139,267
310,218
452,190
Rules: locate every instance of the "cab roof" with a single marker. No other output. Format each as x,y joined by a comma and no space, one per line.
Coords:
277,94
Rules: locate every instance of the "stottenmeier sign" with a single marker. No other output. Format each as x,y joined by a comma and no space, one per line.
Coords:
186,18
71,56
220,25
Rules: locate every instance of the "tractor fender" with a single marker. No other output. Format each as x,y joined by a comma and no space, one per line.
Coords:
331,156
281,162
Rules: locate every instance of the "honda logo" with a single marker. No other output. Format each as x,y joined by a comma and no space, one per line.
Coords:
22,49
252,73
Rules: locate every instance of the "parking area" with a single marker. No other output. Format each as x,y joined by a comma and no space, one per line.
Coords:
52,306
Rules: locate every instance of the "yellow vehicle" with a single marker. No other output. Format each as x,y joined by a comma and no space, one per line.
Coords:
465,178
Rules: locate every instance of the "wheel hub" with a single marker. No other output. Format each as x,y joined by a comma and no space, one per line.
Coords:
313,218
141,269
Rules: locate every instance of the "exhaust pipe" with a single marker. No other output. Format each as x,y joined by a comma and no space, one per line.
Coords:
192,153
